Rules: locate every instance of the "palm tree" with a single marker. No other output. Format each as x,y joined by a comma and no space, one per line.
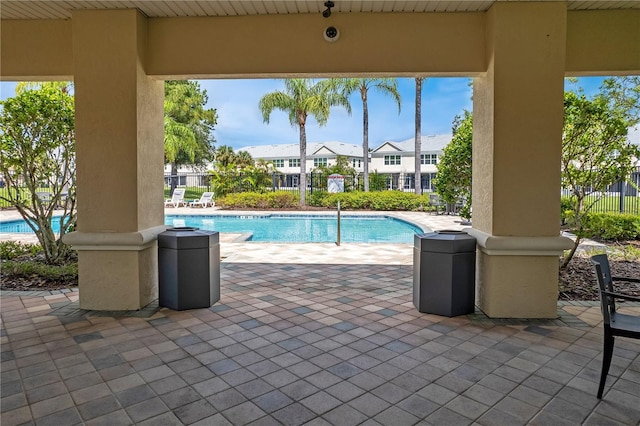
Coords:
387,86
244,159
418,136
301,98
225,156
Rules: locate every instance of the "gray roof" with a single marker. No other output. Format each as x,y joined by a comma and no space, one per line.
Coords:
428,143
293,150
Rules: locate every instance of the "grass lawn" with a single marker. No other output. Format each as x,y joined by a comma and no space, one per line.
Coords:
611,204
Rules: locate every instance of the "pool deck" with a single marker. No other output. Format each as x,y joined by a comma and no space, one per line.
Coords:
338,342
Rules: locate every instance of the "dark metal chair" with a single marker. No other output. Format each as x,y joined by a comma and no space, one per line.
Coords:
615,323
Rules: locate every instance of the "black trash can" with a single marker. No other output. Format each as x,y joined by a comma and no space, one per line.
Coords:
189,274
444,264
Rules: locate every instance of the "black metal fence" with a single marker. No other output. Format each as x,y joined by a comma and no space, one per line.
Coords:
621,197
197,183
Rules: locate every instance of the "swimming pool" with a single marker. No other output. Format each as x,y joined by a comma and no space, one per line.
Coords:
286,228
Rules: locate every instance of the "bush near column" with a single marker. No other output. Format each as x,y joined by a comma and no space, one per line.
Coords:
611,226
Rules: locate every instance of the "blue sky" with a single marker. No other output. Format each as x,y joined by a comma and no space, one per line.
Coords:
240,122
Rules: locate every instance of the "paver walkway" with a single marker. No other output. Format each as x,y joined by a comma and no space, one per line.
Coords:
304,341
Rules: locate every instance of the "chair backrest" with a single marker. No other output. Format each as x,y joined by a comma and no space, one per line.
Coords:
206,197
605,283
178,194
44,196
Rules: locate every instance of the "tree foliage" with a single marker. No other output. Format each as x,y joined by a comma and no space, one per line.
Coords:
236,172
595,154
187,125
622,94
453,180
386,86
37,155
301,98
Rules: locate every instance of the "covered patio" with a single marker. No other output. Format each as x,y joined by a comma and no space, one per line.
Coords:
518,52
317,343
298,344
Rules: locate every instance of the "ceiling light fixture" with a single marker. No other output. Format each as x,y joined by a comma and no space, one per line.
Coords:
327,12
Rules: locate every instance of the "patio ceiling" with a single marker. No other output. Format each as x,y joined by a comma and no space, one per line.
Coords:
15,9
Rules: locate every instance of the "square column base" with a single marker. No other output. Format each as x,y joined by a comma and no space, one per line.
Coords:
118,280
518,286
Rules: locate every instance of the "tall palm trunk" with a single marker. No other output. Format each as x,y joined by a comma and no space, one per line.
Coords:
365,138
418,137
303,165
174,177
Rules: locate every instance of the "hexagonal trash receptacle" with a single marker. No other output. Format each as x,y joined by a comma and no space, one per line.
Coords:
444,264
189,268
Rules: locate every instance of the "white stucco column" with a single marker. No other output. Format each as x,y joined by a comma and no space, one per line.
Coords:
517,135
119,142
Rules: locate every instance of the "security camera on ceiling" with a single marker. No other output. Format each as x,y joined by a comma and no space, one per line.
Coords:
331,34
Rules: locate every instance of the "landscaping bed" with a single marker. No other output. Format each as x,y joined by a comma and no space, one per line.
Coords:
26,271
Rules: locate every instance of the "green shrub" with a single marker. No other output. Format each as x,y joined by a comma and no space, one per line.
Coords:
566,209
13,249
282,200
356,200
28,269
254,200
611,226
384,200
316,198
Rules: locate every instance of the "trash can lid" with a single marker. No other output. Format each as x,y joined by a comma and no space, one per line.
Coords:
445,241
185,237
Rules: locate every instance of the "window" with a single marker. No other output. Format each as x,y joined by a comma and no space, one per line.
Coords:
294,162
391,160
179,180
278,163
428,159
355,163
319,162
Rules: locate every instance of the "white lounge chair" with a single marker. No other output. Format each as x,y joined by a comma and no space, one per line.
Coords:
205,200
177,199
44,197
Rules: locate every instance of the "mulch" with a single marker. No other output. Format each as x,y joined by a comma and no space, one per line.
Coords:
578,280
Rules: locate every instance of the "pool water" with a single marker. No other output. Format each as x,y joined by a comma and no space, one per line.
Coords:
284,228
305,228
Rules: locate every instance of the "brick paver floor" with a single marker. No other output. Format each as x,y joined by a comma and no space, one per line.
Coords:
296,343
307,334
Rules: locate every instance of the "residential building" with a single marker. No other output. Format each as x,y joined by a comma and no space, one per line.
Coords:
286,157
396,159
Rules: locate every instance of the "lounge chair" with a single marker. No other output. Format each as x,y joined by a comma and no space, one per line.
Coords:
44,197
177,199
205,200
